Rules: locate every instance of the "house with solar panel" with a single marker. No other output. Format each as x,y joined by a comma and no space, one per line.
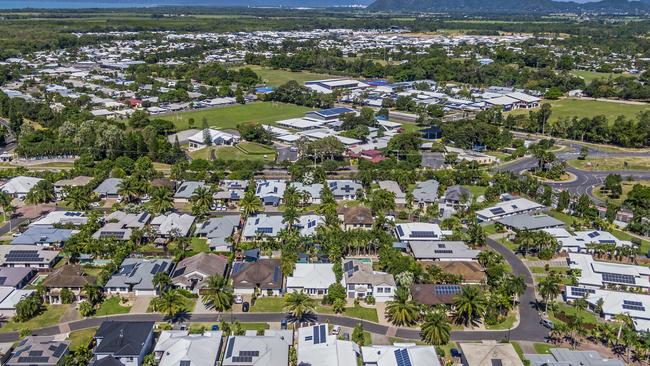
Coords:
399,354
264,275
344,189
41,351
120,225
28,256
420,231
636,305
262,226
230,191
361,281
271,350
579,241
135,276
270,191
318,348
179,348
597,275
435,294
62,218
44,236
508,208
441,250
122,343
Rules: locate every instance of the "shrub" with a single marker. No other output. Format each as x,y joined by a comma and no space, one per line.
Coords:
370,300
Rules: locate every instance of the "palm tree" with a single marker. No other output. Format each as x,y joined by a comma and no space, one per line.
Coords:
549,288
201,201
217,293
436,328
250,203
515,287
42,192
161,200
299,305
290,217
170,303
77,198
92,292
127,190
161,280
470,305
5,203
402,311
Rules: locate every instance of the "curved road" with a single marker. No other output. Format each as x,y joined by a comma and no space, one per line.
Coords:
528,328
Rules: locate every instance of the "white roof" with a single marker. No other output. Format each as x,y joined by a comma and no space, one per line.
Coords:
311,275
197,349
20,185
504,100
414,231
271,350
579,240
173,223
523,97
507,208
324,352
62,217
388,355
300,123
10,296
214,135
591,272
636,305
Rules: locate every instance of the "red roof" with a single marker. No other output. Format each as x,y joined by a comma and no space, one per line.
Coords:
134,102
372,153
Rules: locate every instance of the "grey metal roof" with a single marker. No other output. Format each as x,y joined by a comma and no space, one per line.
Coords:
567,357
38,351
187,188
122,338
426,191
108,187
529,221
43,235
138,273
217,229
12,276
442,249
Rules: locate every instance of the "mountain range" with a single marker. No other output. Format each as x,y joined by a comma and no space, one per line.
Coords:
511,6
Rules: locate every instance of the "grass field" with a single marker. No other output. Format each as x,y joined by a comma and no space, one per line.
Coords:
627,187
589,76
277,77
230,117
51,316
612,163
589,108
80,338
199,245
112,306
542,348
268,305
249,151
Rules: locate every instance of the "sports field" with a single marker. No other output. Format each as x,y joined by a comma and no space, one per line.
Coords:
590,76
231,116
571,107
243,151
276,77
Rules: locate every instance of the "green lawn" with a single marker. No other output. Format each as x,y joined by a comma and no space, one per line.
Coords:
518,349
255,148
587,316
277,77
230,153
611,163
542,270
51,316
566,219
542,348
590,76
199,245
230,117
490,229
589,108
196,328
358,312
80,338
268,305
112,306
622,235
506,324
627,187
476,191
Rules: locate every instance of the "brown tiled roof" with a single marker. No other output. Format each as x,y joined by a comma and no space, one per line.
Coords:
162,182
426,294
265,272
358,215
69,276
205,263
470,271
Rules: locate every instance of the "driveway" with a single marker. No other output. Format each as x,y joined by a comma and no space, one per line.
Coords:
141,304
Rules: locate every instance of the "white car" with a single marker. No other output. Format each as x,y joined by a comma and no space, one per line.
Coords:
238,299
336,330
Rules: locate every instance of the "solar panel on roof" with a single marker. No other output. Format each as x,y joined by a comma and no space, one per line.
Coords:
582,292
184,363
249,353
347,266
316,335
276,274
443,251
29,359
402,357
60,350
400,231
322,333
618,278
496,362
423,234
633,305
242,359
231,345
447,289
497,211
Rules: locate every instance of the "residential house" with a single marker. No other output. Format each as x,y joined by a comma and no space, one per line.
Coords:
28,256
61,185
120,225
425,193
186,189
442,251
262,226
71,277
271,350
44,236
307,224
264,274
122,342
217,138
530,221
430,294
179,347
311,278
231,191
172,225
357,217
471,273
108,188
361,281
9,298
62,218
567,357
580,241
16,277
393,187
217,231
489,353
191,273
312,191
344,189
40,351
270,191
164,183
18,187
596,275
508,208
316,347
399,354
420,231
457,197
136,275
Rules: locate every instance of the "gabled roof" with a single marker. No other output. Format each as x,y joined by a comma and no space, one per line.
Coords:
265,272
69,276
178,347
108,187
206,264
312,275
12,276
20,184
426,191
122,338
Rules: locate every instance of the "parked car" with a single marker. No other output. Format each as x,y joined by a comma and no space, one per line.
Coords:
454,352
547,323
245,307
283,324
238,299
215,327
336,330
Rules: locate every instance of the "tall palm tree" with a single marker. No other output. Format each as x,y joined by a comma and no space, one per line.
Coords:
5,203
515,287
161,280
470,305
201,201
128,190
217,293
170,303
299,305
92,293
402,310
290,217
250,204
436,328
549,288
42,192
77,198
161,200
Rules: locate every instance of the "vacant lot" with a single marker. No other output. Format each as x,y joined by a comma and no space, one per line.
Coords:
230,117
627,187
590,108
589,76
276,77
611,163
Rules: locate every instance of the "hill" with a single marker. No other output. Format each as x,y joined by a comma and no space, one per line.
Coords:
510,6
